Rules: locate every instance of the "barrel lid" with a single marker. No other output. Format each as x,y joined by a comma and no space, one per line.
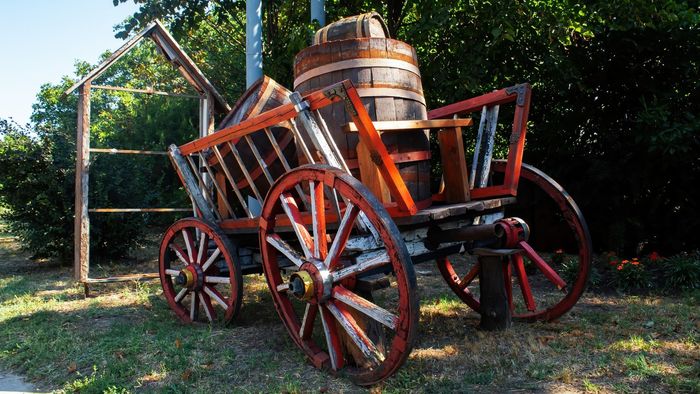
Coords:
361,23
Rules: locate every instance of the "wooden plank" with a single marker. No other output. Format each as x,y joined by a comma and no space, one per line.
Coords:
128,151
454,165
145,91
497,97
411,125
222,197
128,210
379,154
370,176
124,278
82,174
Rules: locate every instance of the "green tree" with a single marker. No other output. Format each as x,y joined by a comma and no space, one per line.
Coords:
38,162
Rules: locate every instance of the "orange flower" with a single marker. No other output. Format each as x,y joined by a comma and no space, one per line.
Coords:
635,262
625,261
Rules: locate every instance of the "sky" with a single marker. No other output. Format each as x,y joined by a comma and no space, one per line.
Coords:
40,41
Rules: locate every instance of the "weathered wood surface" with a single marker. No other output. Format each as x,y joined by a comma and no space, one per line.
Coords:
386,75
494,296
265,94
364,25
454,165
82,177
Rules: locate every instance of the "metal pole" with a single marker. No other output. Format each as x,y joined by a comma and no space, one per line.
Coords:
318,12
253,41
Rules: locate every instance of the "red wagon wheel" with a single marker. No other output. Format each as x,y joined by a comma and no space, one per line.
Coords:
314,268
550,282
200,276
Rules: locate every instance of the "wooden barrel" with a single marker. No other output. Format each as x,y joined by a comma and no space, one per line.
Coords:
265,94
365,25
385,72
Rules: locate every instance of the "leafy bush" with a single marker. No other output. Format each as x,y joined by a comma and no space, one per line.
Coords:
37,163
631,275
682,271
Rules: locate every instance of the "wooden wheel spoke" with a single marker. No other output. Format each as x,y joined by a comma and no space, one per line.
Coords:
187,236
307,322
335,351
284,248
205,300
192,241
292,210
341,237
519,267
217,279
542,265
172,272
356,333
181,294
194,306
469,277
216,296
203,246
215,254
362,266
365,306
178,252
318,213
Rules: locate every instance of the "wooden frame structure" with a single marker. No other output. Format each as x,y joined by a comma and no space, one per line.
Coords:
210,103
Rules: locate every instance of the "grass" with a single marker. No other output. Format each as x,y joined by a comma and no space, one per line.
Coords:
125,339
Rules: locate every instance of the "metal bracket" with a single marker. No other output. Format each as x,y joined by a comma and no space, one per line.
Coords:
518,89
341,92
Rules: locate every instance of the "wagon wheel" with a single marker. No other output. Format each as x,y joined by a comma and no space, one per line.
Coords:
550,282
199,273
314,273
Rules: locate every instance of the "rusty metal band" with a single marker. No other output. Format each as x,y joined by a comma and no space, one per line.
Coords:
356,63
391,92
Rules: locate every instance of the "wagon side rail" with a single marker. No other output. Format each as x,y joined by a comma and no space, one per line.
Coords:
488,103
196,161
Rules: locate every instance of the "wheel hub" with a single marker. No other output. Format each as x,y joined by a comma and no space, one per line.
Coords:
515,230
191,277
312,283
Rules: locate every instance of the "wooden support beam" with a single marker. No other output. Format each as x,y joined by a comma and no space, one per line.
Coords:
128,151
129,210
81,263
454,165
145,91
495,308
370,175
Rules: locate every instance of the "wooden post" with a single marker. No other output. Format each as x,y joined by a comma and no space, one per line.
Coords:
495,310
454,165
82,172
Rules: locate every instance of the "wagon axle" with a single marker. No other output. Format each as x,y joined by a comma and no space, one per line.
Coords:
504,233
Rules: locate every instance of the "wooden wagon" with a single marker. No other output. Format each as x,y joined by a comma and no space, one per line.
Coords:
338,261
